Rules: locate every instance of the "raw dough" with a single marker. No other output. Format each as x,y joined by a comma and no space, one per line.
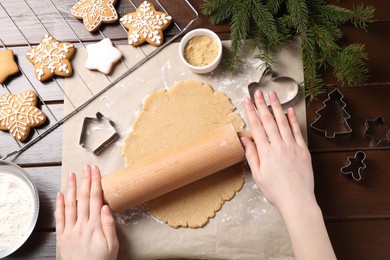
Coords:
168,118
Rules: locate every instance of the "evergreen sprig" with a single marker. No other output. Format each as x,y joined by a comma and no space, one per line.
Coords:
271,24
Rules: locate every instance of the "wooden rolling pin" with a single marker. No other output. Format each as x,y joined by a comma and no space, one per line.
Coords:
172,169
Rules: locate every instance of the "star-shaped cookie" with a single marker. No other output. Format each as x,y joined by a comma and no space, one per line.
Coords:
18,114
8,65
146,24
95,12
102,56
51,58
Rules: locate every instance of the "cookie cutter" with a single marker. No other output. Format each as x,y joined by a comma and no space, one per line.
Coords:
355,165
333,106
97,133
285,87
373,127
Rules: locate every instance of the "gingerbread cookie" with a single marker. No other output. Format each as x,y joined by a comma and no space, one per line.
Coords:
95,12
51,58
102,56
8,65
18,114
146,24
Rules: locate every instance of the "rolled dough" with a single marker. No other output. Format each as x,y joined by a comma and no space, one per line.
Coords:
170,117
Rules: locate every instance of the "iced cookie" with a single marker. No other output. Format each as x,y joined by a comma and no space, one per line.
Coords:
146,24
18,114
8,65
102,56
95,12
51,58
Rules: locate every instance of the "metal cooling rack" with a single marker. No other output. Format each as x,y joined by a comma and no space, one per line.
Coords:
179,27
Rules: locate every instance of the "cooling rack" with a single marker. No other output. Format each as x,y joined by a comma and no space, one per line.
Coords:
52,17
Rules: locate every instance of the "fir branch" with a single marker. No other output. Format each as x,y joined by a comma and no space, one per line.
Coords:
299,14
221,10
348,65
240,28
272,24
274,6
362,15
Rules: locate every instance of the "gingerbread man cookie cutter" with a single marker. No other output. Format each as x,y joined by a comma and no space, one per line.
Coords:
355,165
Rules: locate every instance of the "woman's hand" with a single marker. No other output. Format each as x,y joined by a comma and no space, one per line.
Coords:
85,229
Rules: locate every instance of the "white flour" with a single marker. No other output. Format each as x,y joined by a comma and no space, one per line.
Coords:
16,209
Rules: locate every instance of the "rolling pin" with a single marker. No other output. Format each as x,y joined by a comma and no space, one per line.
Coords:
178,166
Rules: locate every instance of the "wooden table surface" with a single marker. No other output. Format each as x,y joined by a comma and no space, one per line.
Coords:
357,214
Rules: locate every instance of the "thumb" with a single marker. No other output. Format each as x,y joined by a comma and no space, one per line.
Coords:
109,229
251,155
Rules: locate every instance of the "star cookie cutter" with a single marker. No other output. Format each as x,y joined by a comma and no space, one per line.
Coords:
285,87
326,122
355,166
97,133
378,130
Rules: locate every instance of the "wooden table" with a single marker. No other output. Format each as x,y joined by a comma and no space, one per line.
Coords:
357,214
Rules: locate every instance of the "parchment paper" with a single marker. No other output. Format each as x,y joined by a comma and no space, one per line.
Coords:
247,227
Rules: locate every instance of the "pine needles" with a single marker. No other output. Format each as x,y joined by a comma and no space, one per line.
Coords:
271,24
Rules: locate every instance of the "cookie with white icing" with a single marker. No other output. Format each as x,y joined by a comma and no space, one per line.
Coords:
146,24
102,56
51,58
95,12
18,114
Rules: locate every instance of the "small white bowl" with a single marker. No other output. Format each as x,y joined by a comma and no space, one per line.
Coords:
198,32
14,170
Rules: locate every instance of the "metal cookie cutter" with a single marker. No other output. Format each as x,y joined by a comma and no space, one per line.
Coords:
378,130
332,117
285,87
97,133
355,166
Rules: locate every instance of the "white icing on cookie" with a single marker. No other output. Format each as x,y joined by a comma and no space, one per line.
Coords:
102,56
145,23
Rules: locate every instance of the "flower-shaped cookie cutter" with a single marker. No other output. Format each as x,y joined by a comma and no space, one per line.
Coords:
97,133
378,130
333,109
355,165
285,87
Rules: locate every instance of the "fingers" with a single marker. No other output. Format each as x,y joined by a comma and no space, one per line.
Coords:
296,130
251,154
256,126
108,226
280,117
70,202
84,193
267,119
60,214
96,195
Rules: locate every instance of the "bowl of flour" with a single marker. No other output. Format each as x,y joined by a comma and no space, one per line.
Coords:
19,207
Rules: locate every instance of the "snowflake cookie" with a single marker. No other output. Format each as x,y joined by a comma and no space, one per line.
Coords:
95,12
8,65
18,114
146,24
51,58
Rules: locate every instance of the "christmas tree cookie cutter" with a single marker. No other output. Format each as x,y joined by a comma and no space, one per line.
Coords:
285,87
378,130
355,166
97,133
332,117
